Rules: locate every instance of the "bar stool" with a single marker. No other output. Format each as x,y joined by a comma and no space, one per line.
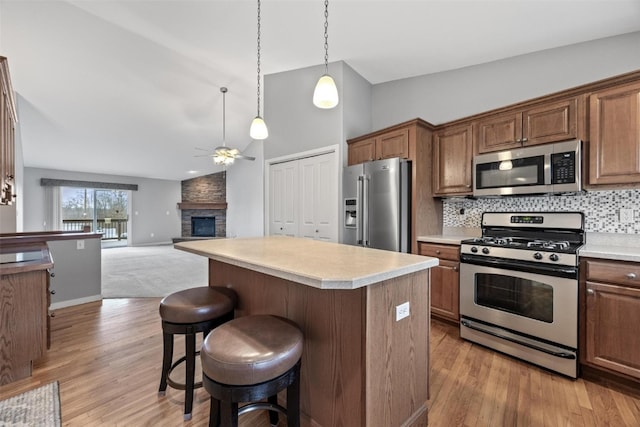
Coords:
188,312
249,359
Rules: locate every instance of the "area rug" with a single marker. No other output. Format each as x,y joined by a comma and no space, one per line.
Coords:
37,407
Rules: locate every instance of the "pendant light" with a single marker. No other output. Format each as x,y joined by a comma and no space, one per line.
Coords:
326,93
258,128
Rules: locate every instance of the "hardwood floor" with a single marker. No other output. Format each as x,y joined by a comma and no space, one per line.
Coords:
107,360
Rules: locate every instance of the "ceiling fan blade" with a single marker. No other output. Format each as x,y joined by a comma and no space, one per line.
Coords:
203,149
242,156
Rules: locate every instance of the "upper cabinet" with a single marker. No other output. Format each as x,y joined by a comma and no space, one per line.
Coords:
386,145
8,120
614,132
452,160
549,122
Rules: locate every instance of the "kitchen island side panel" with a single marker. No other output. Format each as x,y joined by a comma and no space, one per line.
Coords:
352,342
332,321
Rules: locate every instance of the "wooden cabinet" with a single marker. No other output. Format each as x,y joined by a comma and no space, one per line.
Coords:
412,140
614,131
541,124
8,119
24,309
386,145
453,161
611,313
445,280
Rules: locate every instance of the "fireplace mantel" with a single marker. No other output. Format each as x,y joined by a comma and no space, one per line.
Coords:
201,205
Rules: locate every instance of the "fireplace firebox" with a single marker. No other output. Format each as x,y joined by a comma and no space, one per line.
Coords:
203,226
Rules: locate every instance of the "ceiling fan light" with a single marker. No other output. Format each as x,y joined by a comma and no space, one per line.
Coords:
258,129
325,94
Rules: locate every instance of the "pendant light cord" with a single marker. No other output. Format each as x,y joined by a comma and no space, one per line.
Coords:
326,36
258,58
224,120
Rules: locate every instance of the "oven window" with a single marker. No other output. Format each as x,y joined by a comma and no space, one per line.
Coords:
515,295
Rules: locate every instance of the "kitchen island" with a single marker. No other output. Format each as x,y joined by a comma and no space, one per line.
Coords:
364,314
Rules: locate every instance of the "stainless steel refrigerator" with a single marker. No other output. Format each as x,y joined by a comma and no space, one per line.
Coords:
377,205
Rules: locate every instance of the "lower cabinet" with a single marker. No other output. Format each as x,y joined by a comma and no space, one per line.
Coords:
445,280
611,315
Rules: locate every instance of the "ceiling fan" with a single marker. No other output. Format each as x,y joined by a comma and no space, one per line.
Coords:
224,155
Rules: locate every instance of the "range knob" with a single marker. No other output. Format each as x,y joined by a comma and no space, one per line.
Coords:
485,251
554,257
474,249
537,255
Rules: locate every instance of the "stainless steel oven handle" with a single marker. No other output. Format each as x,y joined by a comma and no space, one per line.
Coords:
560,354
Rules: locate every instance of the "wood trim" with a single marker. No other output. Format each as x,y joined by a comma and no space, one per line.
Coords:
201,205
399,126
52,182
6,83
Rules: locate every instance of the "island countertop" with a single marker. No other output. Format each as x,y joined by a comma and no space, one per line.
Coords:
322,265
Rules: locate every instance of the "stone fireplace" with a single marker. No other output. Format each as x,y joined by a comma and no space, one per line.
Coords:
204,204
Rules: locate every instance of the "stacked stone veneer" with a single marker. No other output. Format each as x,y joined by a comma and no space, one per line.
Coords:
205,189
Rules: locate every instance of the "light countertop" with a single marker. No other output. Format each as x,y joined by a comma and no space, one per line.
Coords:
451,235
613,246
314,263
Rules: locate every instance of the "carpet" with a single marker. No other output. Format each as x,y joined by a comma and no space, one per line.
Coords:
150,271
38,407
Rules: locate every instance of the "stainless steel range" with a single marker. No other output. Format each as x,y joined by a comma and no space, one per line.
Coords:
519,287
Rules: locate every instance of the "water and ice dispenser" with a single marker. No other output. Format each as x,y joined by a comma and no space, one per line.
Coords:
350,213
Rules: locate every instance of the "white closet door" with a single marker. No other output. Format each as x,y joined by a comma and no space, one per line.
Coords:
283,203
319,197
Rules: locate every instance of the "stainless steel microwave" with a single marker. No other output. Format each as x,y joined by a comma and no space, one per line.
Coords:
539,169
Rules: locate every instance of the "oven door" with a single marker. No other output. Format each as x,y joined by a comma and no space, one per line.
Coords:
542,306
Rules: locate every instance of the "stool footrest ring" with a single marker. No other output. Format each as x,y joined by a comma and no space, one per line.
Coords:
176,385
261,406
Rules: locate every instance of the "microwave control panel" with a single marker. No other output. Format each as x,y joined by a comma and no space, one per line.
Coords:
563,168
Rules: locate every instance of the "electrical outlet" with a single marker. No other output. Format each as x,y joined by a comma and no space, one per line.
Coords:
402,311
626,216
79,244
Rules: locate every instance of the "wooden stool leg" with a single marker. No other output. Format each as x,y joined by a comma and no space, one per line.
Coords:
167,359
273,415
293,401
190,351
214,413
229,413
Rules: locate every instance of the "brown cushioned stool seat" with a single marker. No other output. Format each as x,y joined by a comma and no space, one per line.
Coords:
188,312
249,359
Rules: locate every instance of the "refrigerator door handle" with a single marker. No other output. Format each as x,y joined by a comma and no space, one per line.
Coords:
359,210
364,209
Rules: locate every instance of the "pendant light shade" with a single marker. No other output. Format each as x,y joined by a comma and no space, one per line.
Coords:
325,94
258,129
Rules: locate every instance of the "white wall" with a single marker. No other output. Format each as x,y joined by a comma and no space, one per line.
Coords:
442,97
245,194
153,207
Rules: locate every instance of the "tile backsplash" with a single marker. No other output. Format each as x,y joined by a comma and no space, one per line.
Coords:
601,209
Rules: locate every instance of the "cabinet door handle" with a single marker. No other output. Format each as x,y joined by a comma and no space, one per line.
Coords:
524,139
631,276
438,251
591,291
455,268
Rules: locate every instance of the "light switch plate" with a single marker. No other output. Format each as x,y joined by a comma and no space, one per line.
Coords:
80,244
626,216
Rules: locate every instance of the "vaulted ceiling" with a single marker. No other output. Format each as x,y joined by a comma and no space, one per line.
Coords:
130,87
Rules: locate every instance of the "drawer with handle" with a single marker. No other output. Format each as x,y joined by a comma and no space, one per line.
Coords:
450,252
623,273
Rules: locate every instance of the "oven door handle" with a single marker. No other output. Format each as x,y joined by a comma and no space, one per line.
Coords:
527,267
560,354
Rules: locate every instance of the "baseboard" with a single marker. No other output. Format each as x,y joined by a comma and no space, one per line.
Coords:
78,301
